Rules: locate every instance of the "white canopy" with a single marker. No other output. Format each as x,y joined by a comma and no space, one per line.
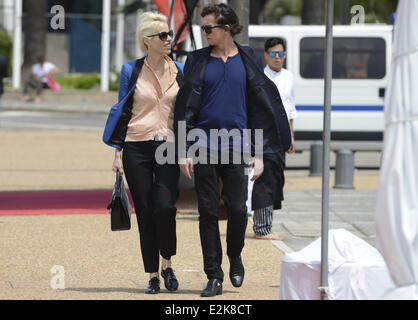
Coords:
356,270
396,211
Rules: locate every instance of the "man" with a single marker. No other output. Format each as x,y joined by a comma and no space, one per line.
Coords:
3,72
225,88
39,78
267,191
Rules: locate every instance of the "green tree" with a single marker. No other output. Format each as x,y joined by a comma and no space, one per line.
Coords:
313,11
6,48
274,10
376,11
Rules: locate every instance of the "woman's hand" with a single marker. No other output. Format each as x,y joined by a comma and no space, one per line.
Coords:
185,164
117,163
258,166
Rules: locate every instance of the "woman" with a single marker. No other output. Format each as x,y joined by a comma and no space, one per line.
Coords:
139,124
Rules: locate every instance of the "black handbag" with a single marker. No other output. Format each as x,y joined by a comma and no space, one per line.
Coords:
120,206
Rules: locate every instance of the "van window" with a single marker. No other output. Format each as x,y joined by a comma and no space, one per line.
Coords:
353,58
257,44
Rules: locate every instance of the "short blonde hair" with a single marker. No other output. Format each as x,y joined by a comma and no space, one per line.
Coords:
149,22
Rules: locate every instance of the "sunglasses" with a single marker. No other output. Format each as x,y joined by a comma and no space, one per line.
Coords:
273,53
163,35
208,29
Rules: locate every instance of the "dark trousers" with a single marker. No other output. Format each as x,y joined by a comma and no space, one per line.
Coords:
234,194
153,188
38,85
268,189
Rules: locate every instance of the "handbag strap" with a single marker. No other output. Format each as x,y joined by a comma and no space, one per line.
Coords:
135,73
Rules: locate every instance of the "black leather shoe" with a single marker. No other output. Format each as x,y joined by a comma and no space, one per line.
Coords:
170,280
213,288
153,286
236,271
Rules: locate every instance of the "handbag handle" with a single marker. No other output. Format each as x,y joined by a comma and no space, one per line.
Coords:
117,189
118,180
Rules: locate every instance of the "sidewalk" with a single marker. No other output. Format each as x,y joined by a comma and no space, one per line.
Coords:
100,264
91,101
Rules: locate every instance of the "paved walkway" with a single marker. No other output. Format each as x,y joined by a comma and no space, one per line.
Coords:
299,222
100,264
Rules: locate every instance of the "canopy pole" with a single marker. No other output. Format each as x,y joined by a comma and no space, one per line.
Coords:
17,45
326,150
104,76
120,33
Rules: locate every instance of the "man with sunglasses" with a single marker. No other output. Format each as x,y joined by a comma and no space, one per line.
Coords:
267,193
225,88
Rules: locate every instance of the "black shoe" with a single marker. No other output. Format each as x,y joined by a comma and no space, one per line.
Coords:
153,286
170,280
236,271
213,288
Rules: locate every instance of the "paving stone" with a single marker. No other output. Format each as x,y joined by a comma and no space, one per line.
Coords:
367,228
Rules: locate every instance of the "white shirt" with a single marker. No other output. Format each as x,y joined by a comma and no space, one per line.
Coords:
284,83
40,71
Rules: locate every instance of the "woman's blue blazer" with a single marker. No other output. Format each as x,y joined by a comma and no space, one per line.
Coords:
125,94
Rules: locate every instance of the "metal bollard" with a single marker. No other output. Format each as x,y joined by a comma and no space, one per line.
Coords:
344,170
316,159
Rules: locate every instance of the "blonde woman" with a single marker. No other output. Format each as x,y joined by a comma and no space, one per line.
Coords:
136,126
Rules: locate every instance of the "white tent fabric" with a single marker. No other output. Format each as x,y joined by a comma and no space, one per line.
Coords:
396,210
356,270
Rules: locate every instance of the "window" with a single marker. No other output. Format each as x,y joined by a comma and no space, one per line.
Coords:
353,58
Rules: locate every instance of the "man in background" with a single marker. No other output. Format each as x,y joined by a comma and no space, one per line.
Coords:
39,78
267,193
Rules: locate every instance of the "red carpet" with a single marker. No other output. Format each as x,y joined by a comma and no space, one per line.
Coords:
55,202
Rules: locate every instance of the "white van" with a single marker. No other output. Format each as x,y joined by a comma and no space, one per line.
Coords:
362,56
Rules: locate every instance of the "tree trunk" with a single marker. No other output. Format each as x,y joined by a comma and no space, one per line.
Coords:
313,12
255,8
344,16
35,33
242,9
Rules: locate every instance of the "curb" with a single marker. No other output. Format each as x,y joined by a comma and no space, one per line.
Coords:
99,108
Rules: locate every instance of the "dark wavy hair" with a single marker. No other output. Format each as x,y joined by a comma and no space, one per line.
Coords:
224,14
270,43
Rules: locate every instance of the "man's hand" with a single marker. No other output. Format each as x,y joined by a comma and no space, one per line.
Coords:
185,164
292,146
258,166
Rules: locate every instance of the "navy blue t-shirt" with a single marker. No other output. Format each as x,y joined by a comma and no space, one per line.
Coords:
224,100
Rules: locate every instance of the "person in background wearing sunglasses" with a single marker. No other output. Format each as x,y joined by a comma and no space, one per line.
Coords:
138,124
225,88
267,193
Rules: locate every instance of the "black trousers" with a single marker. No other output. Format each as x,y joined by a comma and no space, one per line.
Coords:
154,189
268,189
234,194
38,85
